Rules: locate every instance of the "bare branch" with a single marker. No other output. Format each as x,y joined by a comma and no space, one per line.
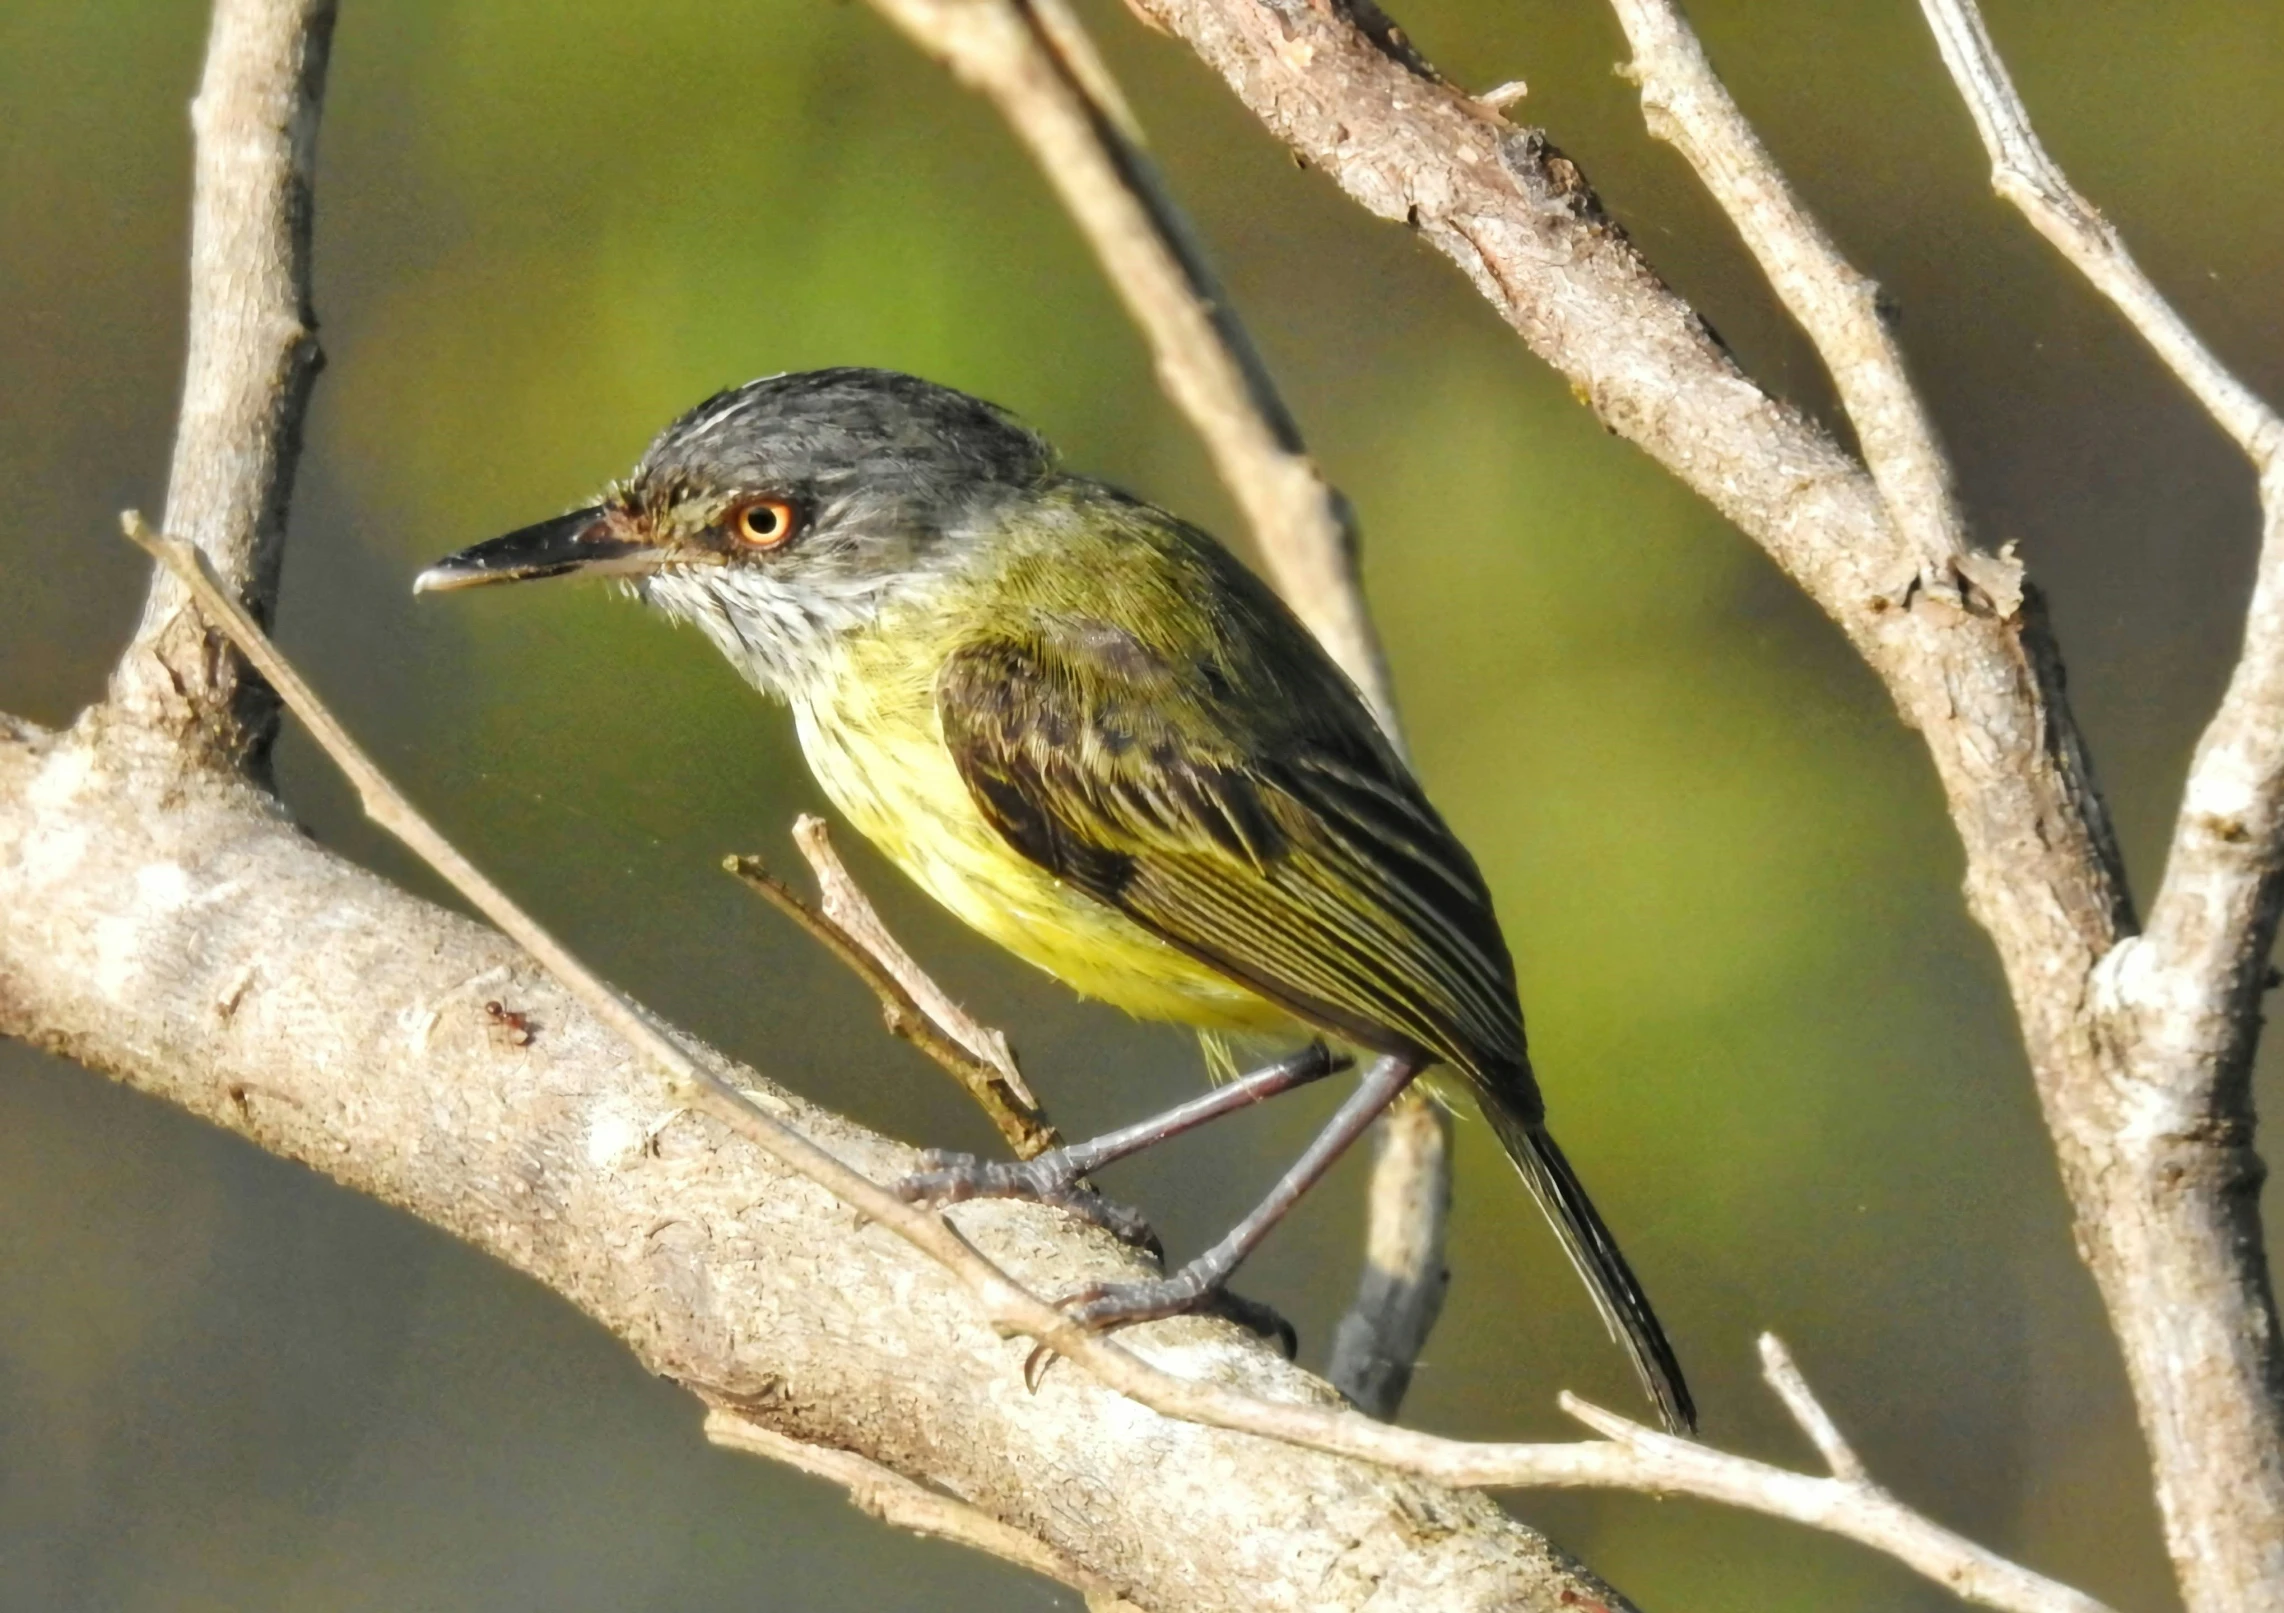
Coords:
253,358
1785,1378
847,906
2182,1003
1406,1271
2023,173
1685,104
1847,1504
1635,1458
1038,67
895,1500
873,955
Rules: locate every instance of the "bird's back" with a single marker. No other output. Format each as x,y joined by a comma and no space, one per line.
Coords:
1162,735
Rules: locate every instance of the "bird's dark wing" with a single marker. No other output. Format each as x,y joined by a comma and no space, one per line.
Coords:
1289,851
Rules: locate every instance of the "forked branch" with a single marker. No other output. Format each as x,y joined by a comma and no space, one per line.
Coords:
912,1004
2191,1296
1686,104
252,362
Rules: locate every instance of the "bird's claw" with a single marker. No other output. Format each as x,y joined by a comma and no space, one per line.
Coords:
1107,1307
949,1178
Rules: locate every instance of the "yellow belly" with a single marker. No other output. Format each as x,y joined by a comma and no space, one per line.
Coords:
872,738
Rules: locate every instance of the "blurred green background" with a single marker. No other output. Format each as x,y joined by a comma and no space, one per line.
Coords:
1770,1036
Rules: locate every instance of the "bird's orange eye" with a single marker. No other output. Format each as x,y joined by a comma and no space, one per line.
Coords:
763,523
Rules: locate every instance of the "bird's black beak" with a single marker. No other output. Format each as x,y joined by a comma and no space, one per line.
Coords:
583,541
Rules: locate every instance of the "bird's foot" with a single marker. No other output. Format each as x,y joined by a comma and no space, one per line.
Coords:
1194,1290
1052,1179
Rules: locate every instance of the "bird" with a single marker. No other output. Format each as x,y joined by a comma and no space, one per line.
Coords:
1086,728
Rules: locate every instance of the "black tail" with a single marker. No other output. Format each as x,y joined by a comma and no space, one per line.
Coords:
1617,1295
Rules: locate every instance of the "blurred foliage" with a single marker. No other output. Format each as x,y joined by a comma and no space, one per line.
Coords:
1770,1037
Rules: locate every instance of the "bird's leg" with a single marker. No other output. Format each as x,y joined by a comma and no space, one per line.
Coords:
1058,1177
1109,1305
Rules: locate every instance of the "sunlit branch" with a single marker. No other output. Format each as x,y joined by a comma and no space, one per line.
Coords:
2182,1001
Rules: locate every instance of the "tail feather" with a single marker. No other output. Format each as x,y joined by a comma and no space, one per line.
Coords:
1617,1294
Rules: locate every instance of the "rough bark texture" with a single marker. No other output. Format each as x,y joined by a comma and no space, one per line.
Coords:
253,359
144,909
2152,1127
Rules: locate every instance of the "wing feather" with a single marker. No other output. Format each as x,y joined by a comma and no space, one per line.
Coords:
1292,853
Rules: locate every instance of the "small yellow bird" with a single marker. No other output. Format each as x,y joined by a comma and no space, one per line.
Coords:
1083,727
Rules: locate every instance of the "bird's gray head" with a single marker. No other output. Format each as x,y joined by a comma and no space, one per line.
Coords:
779,514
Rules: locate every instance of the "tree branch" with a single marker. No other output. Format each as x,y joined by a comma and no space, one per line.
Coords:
1848,1503
1686,105
1400,1293
252,361
898,1502
2181,1004
913,1005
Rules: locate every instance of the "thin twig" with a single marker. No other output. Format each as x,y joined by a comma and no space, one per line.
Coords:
902,1503
1634,1458
2182,1002
846,904
1784,1376
2023,173
1685,104
1036,64
1847,1503
995,1087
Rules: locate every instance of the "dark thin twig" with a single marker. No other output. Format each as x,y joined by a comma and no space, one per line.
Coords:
1022,1123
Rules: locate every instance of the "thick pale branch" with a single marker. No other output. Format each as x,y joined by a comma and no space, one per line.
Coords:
253,358
2181,1005
173,934
898,1502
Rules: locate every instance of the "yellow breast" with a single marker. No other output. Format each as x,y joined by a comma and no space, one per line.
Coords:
872,737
